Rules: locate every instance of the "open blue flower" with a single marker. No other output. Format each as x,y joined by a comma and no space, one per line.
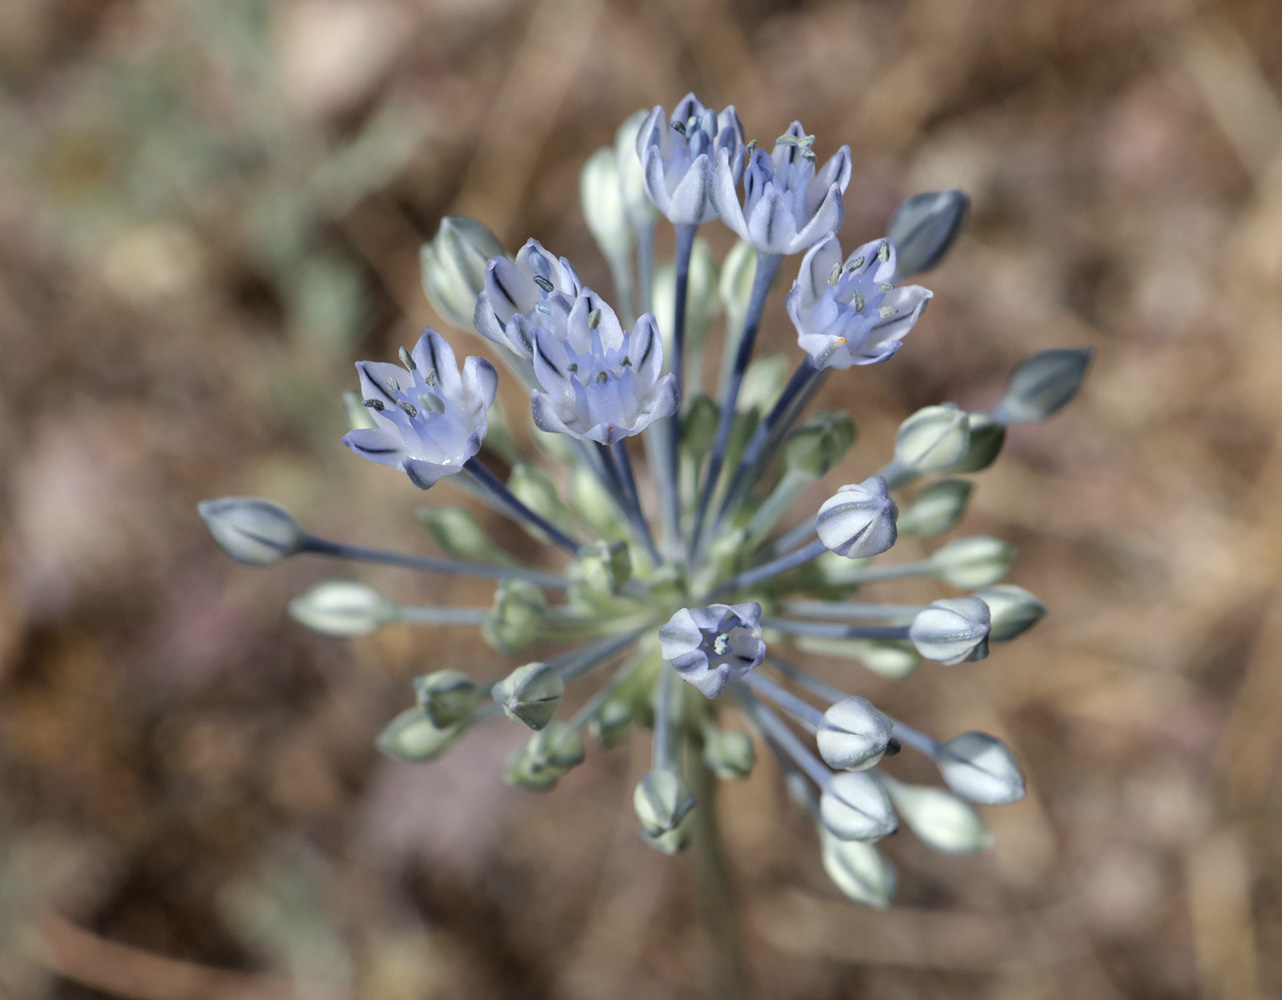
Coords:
535,289
678,155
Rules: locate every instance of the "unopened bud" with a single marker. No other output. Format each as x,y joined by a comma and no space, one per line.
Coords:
661,801
516,617
932,439
728,753
815,447
858,869
854,806
601,197
940,820
935,508
413,737
924,228
343,608
859,520
458,533
986,439
980,768
522,772
762,383
979,561
557,745
1014,610
1043,384
700,427
612,721
606,567
853,735
640,209
531,694
253,532
453,267
446,696
952,630
738,271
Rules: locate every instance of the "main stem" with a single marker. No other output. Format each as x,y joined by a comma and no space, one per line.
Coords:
716,896
767,267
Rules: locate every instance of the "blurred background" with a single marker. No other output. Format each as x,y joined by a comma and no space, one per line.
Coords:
210,208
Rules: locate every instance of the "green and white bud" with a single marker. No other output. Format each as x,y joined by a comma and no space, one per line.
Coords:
728,753
924,228
888,658
762,383
935,508
661,801
853,735
1014,610
641,211
253,532
858,869
343,608
458,533
702,302
601,197
612,721
940,820
446,696
932,439
413,737
606,567
735,287
980,768
700,427
557,745
531,694
516,617
1043,384
986,439
978,561
534,488
854,806
814,448
952,630
523,772
453,267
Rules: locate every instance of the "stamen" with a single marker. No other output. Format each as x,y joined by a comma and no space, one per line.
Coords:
374,404
410,409
835,274
720,644
594,319
601,377
787,139
393,385
809,155
855,264
883,252
544,283
859,303
885,286
431,378
678,127
887,311
406,360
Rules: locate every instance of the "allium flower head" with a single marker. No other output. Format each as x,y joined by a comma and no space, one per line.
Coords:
430,420
536,289
599,383
714,645
677,155
787,205
849,312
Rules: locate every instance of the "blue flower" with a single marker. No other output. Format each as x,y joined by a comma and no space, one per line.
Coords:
537,289
598,383
787,206
851,313
678,156
430,419
714,645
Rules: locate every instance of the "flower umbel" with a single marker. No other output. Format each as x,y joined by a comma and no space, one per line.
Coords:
703,618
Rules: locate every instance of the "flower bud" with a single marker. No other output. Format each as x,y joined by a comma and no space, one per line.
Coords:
593,502
854,806
986,439
523,772
935,508
853,735
859,870
601,197
516,617
413,737
1043,384
932,439
980,768
859,520
763,382
531,694
661,801
612,721
453,267
735,287
446,696
701,297
940,820
728,753
951,630
815,447
253,532
343,608
458,533
978,561
557,745
1014,610
924,228
606,567
640,209
532,486
700,427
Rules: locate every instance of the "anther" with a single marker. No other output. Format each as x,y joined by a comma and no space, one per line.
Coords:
855,264
835,274
543,283
393,385
431,377
410,409
885,312
375,404
885,286
859,303
594,319
406,360
678,127
883,252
